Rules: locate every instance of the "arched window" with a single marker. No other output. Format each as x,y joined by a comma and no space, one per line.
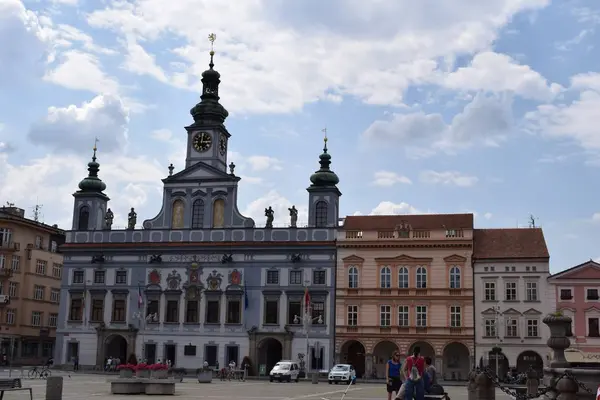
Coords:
352,277
198,214
454,277
385,278
421,278
403,278
219,213
321,214
177,211
84,219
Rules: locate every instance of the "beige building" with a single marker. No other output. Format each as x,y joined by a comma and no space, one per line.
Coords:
405,281
30,278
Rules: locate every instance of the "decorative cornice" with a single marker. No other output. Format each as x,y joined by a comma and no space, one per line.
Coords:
402,259
455,258
353,259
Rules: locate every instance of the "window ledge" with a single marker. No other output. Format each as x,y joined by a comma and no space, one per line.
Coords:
233,324
489,301
74,321
171,322
533,337
270,324
192,323
532,301
212,323
511,301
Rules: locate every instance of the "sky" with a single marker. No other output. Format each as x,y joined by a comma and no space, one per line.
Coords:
489,107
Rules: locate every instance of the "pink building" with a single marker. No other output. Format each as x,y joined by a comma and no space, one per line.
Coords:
577,296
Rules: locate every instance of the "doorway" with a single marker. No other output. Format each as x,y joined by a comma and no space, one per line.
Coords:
150,353
170,353
116,347
270,352
232,353
72,351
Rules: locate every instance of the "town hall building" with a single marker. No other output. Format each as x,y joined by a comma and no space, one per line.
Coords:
200,281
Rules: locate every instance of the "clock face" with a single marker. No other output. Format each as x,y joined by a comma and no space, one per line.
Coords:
202,141
223,145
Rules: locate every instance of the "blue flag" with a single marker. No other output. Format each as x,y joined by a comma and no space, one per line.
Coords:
245,297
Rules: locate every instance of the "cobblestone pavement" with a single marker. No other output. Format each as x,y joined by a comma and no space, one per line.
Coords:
96,387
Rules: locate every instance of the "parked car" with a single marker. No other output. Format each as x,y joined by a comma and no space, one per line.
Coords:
342,373
285,371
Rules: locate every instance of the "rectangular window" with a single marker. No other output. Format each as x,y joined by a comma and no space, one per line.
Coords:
512,328
55,295
592,294
153,309
319,277
2,261
36,318
531,289
234,311
118,314
593,327
271,312
455,317
121,278
403,316
295,277
213,311
97,310
38,292
40,267
385,316
352,318
490,328
15,264
53,247
490,291
56,270
421,316
99,277
565,294
5,236
53,320
318,311
294,310
272,277
191,312
172,311
38,242
13,289
511,291
77,277
10,316
532,328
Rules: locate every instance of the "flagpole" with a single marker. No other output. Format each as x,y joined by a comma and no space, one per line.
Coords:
84,308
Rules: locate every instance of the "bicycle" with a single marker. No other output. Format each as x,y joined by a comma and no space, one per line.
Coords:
42,373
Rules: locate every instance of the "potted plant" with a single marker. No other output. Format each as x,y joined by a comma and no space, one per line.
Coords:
159,371
126,370
142,371
205,374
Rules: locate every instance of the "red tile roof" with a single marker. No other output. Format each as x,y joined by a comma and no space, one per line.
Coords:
509,243
425,221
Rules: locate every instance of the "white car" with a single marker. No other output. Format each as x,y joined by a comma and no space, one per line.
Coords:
342,373
285,371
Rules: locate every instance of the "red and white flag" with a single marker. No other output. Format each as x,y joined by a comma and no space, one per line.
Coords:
306,298
598,393
140,298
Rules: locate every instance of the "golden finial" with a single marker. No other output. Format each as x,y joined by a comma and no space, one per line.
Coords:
211,38
324,130
96,140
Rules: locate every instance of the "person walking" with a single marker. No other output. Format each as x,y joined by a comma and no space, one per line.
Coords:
430,374
414,368
392,375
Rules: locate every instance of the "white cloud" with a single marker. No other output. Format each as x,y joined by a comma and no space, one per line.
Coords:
82,71
262,163
596,217
488,215
388,207
74,128
388,178
280,205
163,135
448,178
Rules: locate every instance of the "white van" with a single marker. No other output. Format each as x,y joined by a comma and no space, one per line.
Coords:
285,370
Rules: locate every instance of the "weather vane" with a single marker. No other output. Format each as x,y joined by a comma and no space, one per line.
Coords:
96,140
324,130
211,38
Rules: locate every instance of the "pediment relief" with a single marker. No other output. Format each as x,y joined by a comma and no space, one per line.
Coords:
219,192
198,193
455,258
587,270
178,193
353,259
403,258
592,309
567,309
512,311
532,311
489,311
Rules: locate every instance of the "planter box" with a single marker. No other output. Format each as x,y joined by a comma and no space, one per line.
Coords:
125,373
205,376
127,387
144,373
160,373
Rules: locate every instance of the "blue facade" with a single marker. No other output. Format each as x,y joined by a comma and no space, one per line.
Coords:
199,281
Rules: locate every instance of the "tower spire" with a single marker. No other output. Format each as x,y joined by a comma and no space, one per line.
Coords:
92,183
324,176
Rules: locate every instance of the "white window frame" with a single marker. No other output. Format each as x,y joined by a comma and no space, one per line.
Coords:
491,328
385,316
514,290
421,277
403,278
38,292
36,318
510,324
533,327
352,313
421,316
531,291
455,316
403,316
455,276
489,291
353,274
385,277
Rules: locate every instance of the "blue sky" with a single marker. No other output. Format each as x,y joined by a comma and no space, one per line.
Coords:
484,107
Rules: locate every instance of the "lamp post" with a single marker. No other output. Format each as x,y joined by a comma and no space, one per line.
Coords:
497,315
139,315
307,320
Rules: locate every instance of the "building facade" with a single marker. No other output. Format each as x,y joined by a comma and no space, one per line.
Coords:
405,281
200,281
30,278
577,296
512,297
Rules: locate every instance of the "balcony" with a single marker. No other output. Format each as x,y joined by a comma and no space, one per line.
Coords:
413,331
9,246
404,235
428,293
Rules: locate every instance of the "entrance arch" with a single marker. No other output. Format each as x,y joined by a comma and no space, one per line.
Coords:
455,362
491,363
382,352
353,353
270,352
530,358
116,346
426,349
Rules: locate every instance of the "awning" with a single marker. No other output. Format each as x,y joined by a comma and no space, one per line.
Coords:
578,356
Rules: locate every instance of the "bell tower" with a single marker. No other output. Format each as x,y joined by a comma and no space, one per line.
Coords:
207,137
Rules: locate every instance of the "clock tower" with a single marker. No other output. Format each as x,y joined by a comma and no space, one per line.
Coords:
207,136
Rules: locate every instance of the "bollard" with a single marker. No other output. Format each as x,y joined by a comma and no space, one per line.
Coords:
532,384
472,386
54,388
485,389
315,378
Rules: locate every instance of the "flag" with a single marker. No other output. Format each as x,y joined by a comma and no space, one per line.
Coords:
306,298
140,298
83,313
245,296
598,393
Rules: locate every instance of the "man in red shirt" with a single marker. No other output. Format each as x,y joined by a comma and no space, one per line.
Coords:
414,369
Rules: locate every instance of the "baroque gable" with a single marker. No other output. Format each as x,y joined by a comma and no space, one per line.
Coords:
512,311
532,311
353,259
203,171
587,270
455,258
489,311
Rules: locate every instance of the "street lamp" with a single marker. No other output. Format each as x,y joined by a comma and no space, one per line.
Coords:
139,315
307,320
497,315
